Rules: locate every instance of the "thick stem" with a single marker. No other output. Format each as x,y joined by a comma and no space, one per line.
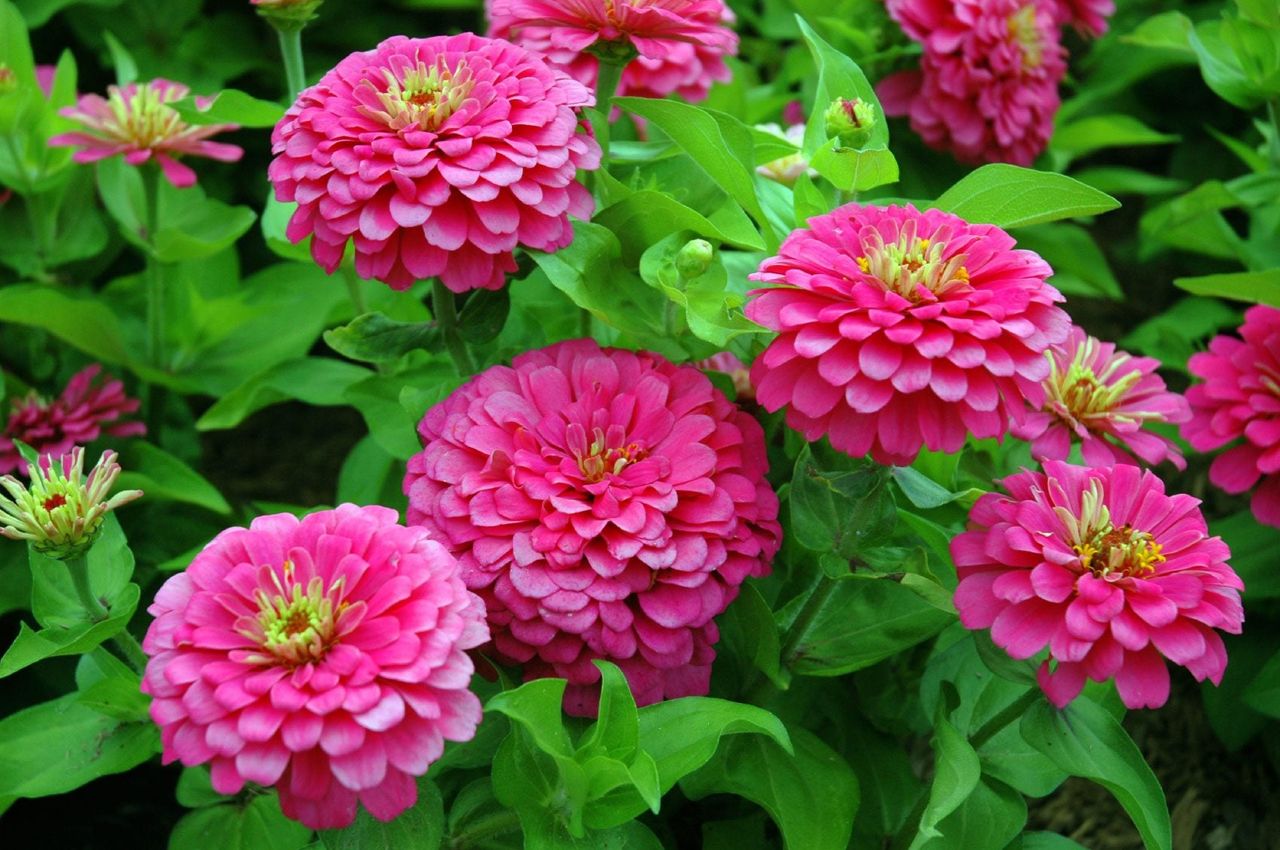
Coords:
498,823
995,725
151,178
808,612
295,75
447,317
606,86
79,569
131,650
354,290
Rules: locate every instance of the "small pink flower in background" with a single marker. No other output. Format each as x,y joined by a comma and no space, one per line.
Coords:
437,157
1087,16
1240,400
45,75
987,87
83,412
1107,571
786,170
605,504
136,122
726,362
900,329
682,44
324,656
1102,398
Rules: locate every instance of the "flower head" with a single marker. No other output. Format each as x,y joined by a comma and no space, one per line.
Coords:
324,656
1105,569
987,87
436,156
1240,400
81,414
727,363
1087,16
679,45
850,121
605,504
137,122
787,169
1102,398
900,329
287,15
60,512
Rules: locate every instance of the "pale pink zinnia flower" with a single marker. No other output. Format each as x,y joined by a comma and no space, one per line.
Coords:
787,169
900,329
681,44
137,122
987,87
1107,571
324,656
1240,399
605,504
83,412
1102,398
1087,16
436,156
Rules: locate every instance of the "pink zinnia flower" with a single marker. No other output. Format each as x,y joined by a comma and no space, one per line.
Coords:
136,121
1087,16
324,656
681,44
987,88
1102,398
605,504
81,414
1107,571
1240,399
900,329
727,363
436,156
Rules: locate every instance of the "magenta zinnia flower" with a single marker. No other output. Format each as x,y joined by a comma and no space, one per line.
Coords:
81,414
900,329
605,504
323,656
681,45
1240,400
436,156
1102,398
137,122
1089,17
1107,571
987,87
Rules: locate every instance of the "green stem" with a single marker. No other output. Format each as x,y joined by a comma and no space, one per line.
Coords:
584,324
606,86
79,569
498,823
447,317
354,290
1012,712
295,75
151,178
1273,112
808,612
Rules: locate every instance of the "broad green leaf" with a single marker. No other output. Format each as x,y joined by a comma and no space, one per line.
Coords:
1194,222
374,338
1176,334
923,492
193,226
536,707
275,221
1008,196
75,318
195,788
839,504
990,817
32,646
160,475
645,217
419,828
748,625
682,734
1121,180
1085,740
381,401
617,728
1085,135
319,381
706,303
855,170
230,106
38,12
258,825
370,476
484,314
1079,266
956,774
1044,841
1261,287
110,687
1221,66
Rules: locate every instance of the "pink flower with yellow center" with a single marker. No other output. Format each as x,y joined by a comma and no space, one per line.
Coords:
1239,399
1102,398
436,157
137,122
900,330
1107,571
324,656
606,504
987,87
679,45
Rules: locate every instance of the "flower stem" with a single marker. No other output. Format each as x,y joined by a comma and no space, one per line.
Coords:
126,643
1012,712
354,290
295,74
607,79
498,823
799,627
1273,112
447,317
151,178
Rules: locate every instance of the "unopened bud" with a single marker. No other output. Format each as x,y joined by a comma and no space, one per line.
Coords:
694,258
287,15
850,121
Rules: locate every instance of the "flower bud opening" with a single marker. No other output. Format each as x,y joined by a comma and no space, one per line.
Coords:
694,258
850,121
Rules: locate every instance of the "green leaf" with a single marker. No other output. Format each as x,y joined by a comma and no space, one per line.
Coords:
990,817
111,688
160,475
839,504
419,828
1008,196
374,338
1079,266
956,774
1261,287
616,731
787,786
319,381
712,310
484,314
1044,841
748,625
1096,132
536,707
682,734
1253,553
257,825
923,492
195,788
230,106
1085,740
1221,66
645,217
855,170
370,476
75,318
54,600
32,646
275,221
193,226
381,401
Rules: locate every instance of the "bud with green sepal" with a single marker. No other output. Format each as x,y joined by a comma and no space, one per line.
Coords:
850,121
287,15
694,258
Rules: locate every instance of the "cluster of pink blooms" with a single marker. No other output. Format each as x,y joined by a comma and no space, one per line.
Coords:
679,46
84,411
987,86
605,504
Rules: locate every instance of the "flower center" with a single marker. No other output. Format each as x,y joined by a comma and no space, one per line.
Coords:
423,97
606,455
296,625
1104,549
142,116
1083,391
57,500
912,266
1023,29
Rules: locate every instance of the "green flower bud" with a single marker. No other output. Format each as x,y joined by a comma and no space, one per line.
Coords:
60,513
694,258
287,15
850,121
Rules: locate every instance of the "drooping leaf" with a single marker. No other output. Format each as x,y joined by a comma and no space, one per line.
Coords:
1009,196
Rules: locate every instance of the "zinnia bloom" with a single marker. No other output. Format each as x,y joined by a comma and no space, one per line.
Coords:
137,122
727,363
81,414
900,329
323,656
436,156
1107,571
605,504
1240,399
987,87
786,170
1102,398
1087,16
681,44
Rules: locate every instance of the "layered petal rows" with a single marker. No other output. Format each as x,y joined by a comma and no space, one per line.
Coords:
324,656
605,504
435,157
